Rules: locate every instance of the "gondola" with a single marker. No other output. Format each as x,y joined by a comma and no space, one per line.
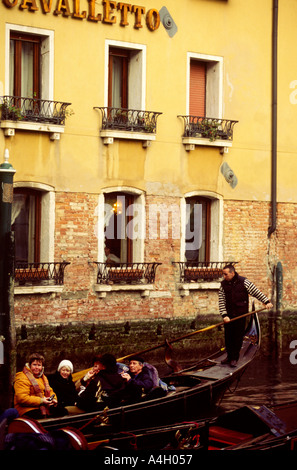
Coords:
198,389
246,428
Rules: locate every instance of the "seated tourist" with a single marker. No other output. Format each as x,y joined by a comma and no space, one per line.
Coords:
101,385
158,383
33,396
63,385
139,380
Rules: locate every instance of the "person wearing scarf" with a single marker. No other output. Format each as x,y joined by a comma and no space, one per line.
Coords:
32,391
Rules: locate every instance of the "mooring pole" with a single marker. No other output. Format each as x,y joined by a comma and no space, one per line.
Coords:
279,299
6,281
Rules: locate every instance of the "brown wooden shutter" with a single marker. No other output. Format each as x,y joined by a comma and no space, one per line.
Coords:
197,88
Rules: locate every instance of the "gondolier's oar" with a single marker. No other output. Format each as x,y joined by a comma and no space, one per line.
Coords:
207,328
80,374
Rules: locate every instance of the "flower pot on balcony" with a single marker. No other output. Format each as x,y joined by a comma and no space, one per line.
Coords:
31,275
199,273
124,274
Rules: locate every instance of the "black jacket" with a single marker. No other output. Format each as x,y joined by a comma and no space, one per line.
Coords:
101,389
63,388
236,296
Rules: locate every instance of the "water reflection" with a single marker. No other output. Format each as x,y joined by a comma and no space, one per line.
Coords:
267,381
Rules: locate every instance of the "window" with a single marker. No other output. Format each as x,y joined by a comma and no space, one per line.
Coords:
125,83
33,220
118,78
124,115
197,88
122,226
29,62
26,217
202,219
198,229
24,65
205,85
117,237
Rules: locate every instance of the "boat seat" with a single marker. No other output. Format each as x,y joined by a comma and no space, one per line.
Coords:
227,436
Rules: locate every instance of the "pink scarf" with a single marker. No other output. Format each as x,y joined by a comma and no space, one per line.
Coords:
44,410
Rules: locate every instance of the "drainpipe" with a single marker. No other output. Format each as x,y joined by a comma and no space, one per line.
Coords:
272,227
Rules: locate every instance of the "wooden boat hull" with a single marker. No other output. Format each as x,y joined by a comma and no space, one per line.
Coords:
198,390
279,438
246,428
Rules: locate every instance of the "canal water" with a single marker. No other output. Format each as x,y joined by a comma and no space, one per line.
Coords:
267,381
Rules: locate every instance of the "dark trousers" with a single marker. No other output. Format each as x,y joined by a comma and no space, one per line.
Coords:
234,332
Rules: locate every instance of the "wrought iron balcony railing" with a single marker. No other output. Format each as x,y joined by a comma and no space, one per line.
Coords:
14,108
126,273
208,128
37,273
132,120
201,271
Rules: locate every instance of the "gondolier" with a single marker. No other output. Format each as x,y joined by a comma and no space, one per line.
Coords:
233,302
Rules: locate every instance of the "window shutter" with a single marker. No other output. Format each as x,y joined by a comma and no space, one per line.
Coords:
197,88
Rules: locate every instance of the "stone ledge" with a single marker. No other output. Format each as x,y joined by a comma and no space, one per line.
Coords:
24,290
103,289
184,289
9,128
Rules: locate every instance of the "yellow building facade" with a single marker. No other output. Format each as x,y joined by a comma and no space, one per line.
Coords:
152,129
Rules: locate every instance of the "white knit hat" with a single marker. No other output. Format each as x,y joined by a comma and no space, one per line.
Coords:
66,363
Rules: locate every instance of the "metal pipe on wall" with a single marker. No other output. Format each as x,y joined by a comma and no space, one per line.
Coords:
272,227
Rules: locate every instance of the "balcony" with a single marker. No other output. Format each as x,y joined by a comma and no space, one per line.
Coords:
125,277
39,273
33,114
200,275
132,124
126,273
199,130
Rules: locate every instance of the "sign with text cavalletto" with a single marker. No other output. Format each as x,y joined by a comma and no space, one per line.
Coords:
112,12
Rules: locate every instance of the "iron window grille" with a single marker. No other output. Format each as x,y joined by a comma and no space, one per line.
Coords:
201,271
132,120
126,273
15,108
37,273
208,128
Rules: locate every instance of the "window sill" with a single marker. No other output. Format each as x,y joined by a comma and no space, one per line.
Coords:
108,136
191,142
28,290
185,288
9,128
143,289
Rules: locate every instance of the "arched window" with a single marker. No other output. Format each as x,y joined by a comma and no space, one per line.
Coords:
202,219
124,224
198,226
26,223
33,222
119,222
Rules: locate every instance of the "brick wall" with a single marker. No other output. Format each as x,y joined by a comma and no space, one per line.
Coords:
245,240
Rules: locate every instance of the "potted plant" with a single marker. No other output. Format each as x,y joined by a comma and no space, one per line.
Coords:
209,129
10,112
